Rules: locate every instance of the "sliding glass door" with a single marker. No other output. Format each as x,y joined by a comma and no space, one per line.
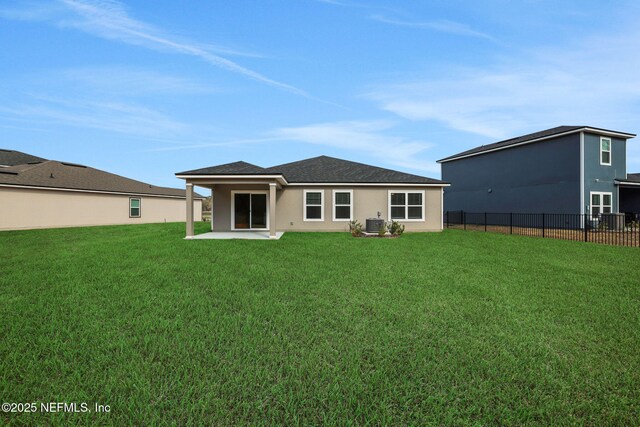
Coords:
250,211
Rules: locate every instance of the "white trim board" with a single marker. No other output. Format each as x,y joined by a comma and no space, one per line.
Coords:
582,204
218,176
363,184
624,183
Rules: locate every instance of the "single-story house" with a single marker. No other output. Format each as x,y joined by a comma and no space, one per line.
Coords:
317,194
40,193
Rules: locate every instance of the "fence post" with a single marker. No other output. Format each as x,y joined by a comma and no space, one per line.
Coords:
510,222
446,218
586,235
543,224
485,221
464,219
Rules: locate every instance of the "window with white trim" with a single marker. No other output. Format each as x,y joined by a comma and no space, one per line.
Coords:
134,207
600,204
406,205
605,151
342,205
313,205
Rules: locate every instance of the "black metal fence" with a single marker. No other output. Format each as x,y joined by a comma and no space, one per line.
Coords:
611,229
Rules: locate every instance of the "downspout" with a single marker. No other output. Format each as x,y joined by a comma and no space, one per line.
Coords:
442,209
582,205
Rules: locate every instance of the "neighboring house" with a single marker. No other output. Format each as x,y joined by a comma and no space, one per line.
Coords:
567,169
40,193
317,194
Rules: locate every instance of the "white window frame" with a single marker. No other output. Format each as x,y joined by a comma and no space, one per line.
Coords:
304,205
406,206
139,199
335,205
601,205
602,139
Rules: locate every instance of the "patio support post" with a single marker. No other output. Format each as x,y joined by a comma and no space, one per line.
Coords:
211,207
189,210
272,210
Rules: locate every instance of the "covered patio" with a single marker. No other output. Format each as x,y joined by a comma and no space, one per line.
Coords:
243,201
629,196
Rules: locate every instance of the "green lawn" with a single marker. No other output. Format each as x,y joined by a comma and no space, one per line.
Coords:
457,327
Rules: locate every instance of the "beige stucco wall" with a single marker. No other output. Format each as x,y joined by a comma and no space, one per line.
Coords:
221,206
31,208
367,201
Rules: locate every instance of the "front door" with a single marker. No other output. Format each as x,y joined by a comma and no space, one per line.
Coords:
250,211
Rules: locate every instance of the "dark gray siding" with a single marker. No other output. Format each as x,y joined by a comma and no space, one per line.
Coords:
531,178
599,177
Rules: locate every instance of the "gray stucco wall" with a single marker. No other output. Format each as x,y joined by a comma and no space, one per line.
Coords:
599,177
531,178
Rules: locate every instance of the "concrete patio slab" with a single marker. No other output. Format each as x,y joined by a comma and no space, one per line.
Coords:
226,235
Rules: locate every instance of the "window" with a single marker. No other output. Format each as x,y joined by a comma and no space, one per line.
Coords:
313,205
600,204
342,205
407,206
605,151
134,208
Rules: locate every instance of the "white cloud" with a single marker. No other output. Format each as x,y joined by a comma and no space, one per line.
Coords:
121,117
367,138
360,138
221,143
441,25
128,81
109,19
594,82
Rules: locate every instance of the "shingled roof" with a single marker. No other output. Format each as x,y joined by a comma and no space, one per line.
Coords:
235,168
53,174
321,169
560,130
12,158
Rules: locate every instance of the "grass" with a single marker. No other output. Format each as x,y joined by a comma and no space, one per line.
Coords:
456,328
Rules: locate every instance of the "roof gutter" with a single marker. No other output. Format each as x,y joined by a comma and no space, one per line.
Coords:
626,183
279,178
370,184
80,190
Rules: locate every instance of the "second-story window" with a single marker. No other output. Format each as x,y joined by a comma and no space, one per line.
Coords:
605,151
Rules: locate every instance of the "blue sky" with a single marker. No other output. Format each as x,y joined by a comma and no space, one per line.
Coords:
150,88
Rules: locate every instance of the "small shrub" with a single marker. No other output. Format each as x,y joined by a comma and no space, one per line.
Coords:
395,228
382,230
355,228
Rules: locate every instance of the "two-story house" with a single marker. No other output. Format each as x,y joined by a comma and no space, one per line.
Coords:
566,169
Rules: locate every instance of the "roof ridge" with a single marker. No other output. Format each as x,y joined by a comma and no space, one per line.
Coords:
29,166
347,161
